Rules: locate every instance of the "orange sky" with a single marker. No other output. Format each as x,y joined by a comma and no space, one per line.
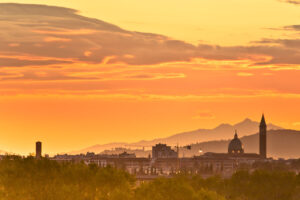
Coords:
71,80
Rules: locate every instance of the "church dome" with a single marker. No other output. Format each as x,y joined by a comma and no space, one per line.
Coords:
235,146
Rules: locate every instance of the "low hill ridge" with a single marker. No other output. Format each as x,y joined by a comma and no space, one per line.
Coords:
281,143
221,132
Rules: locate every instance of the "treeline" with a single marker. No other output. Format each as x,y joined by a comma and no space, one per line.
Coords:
31,179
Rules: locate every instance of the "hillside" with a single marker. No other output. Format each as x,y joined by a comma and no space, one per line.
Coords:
280,144
221,132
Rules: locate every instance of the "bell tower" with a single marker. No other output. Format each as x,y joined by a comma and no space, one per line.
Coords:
263,138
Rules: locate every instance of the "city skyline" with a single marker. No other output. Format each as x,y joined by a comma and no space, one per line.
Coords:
70,79
282,142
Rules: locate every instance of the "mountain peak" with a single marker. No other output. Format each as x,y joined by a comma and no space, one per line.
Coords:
222,126
245,122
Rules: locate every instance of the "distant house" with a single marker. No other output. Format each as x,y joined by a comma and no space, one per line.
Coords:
163,151
127,155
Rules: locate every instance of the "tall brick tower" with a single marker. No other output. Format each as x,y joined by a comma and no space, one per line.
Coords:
38,150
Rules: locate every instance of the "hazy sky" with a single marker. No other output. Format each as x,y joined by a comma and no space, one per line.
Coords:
125,70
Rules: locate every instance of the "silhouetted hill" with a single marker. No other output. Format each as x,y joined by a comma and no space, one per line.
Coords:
221,132
100,148
280,144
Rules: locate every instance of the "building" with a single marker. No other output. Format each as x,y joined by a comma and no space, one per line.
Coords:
127,155
263,138
235,146
163,151
38,150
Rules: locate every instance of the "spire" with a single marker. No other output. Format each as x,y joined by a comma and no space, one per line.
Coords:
263,137
263,121
235,135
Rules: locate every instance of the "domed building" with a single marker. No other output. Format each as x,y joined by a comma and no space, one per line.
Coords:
235,146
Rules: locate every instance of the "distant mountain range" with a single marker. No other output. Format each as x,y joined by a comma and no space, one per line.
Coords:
221,132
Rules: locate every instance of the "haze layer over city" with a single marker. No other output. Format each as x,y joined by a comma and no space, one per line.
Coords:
80,73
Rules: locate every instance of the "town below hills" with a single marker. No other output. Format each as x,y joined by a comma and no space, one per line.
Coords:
281,143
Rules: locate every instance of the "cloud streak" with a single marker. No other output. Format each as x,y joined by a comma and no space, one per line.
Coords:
61,33
296,2
57,50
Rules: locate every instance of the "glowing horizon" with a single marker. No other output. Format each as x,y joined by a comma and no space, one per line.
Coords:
71,80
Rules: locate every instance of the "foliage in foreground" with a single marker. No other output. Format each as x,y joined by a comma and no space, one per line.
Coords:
30,179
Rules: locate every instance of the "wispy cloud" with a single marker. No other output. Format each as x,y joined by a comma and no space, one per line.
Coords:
69,35
55,49
244,74
291,1
32,30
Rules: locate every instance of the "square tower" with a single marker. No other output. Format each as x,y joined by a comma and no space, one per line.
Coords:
38,150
